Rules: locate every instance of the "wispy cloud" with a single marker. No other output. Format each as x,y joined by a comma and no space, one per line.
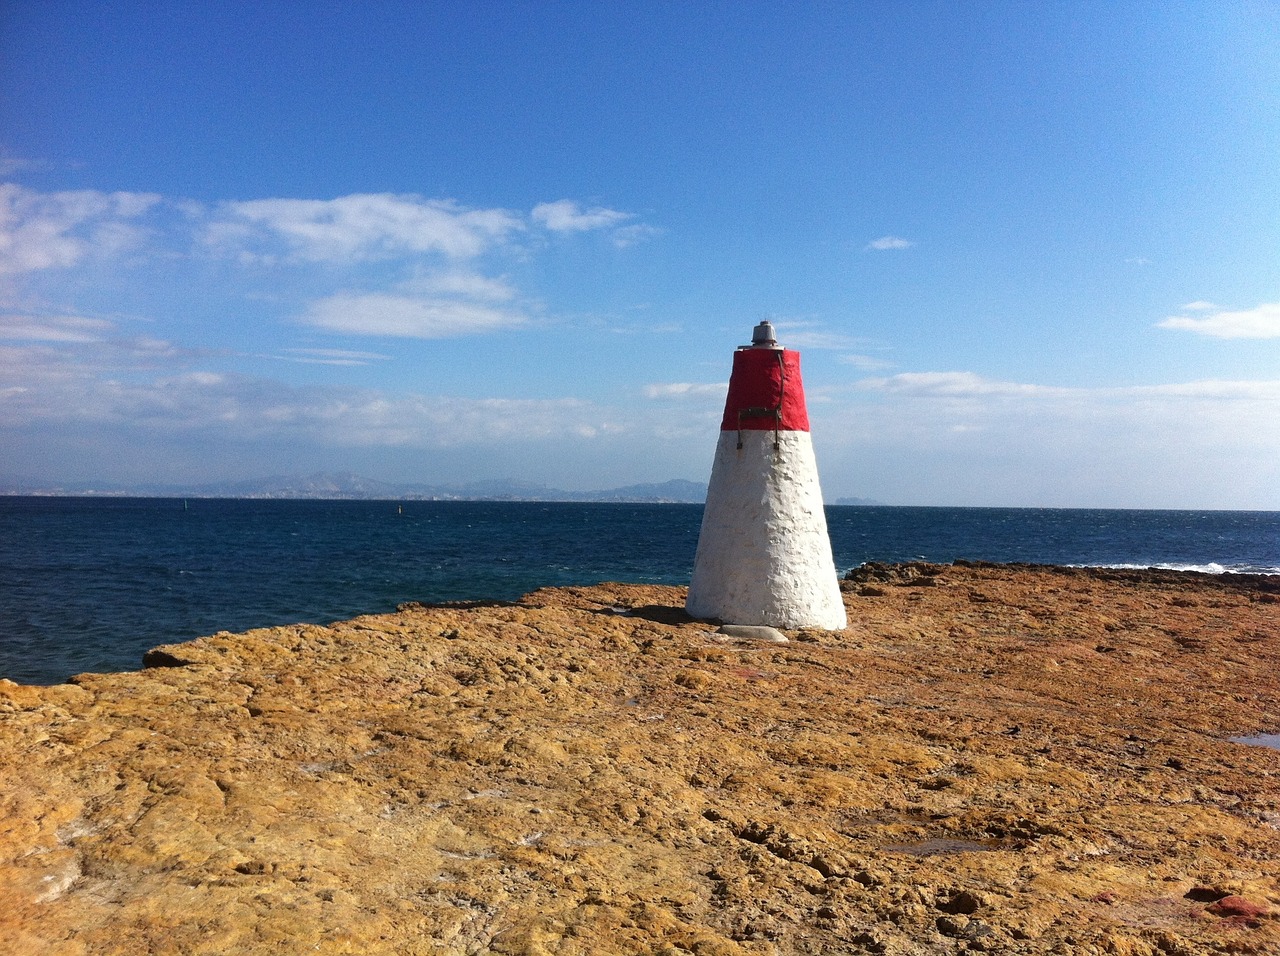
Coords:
57,230
468,285
407,316
686,390
956,385
885,243
632,234
1261,322
565,215
93,346
987,440
957,437
866,363
969,385
46,389
362,226
10,165
797,336
343,357
54,328
423,265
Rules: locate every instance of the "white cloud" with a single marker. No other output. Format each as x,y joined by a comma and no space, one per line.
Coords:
683,390
344,357
635,233
430,243
10,165
889,242
955,385
918,437
57,230
923,408
970,386
407,316
150,350
422,283
465,284
565,215
372,226
54,328
866,363
960,438
434,306
794,336
1261,322
46,390
1167,419
361,226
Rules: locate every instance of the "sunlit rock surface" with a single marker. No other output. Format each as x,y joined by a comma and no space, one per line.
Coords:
987,759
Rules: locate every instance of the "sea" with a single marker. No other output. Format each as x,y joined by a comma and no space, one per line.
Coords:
90,584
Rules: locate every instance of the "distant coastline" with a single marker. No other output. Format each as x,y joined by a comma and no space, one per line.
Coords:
345,486
351,487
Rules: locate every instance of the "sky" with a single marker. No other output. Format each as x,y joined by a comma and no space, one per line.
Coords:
1029,251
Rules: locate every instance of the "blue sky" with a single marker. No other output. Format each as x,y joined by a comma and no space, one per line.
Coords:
1030,251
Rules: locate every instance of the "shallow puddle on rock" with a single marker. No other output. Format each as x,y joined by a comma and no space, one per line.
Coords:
936,846
1259,740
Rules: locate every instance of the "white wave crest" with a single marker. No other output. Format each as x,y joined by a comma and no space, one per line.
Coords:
1210,568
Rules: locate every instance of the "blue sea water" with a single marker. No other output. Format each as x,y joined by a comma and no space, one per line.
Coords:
89,584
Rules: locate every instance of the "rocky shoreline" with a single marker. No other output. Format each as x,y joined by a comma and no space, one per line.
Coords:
989,758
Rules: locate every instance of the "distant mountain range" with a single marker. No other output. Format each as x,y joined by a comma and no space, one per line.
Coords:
348,486
324,485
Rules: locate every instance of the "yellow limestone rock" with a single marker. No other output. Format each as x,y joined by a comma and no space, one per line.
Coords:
987,759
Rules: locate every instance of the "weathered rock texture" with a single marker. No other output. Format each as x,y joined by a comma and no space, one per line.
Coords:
987,759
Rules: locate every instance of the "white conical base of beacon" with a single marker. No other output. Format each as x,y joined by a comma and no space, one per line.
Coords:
764,557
